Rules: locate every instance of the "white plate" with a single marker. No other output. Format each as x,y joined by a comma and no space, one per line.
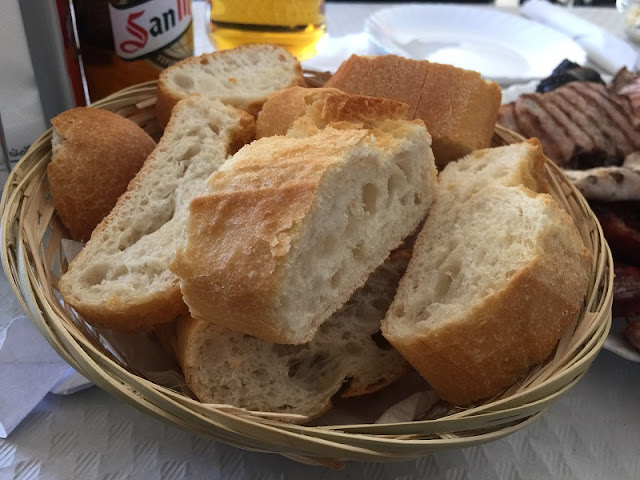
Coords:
502,47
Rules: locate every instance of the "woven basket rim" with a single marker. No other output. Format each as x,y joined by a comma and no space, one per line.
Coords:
24,252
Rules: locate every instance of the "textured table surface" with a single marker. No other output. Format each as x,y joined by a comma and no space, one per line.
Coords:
591,433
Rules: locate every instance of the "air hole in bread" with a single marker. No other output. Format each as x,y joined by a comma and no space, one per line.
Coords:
118,272
95,274
406,199
184,81
191,152
214,127
404,161
444,277
417,199
395,185
369,198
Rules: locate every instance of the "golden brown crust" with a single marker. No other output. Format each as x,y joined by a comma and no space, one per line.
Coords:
386,76
460,110
168,98
270,218
513,329
325,106
458,107
101,152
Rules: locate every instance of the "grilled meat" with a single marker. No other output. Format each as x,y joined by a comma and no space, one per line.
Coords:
580,125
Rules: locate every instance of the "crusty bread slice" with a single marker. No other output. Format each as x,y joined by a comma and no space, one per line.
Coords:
242,77
458,106
292,226
324,106
121,278
496,277
347,355
512,165
96,153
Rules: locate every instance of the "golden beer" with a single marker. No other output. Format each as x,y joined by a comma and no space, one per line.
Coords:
296,25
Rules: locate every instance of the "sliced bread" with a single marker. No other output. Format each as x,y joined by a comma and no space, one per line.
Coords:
347,355
322,107
498,273
458,106
292,226
242,77
121,279
96,153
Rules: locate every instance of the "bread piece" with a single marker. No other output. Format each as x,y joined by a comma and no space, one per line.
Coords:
121,279
324,106
290,227
95,155
458,106
496,276
242,77
348,354
512,165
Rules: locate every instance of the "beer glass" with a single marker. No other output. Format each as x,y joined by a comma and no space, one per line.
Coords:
296,25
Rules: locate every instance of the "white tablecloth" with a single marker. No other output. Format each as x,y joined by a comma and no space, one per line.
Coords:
593,432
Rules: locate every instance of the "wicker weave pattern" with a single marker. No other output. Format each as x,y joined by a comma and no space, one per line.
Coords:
31,257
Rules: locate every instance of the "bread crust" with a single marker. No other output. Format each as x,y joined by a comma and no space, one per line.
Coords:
169,97
100,153
250,282
325,106
458,107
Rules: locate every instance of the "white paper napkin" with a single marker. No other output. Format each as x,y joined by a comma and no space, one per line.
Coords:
29,369
605,50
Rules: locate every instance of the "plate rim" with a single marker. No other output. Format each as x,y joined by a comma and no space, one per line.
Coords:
372,20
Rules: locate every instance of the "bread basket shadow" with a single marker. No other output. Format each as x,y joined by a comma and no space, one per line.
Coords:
32,259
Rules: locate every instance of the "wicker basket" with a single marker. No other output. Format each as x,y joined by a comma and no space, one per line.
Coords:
32,259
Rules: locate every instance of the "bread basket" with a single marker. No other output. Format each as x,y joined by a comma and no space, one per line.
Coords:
31,237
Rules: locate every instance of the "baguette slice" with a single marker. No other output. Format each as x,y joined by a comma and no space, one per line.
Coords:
96,153
322,107
121,278
242,77
291,227
495,279
458,106
347,355
512,165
